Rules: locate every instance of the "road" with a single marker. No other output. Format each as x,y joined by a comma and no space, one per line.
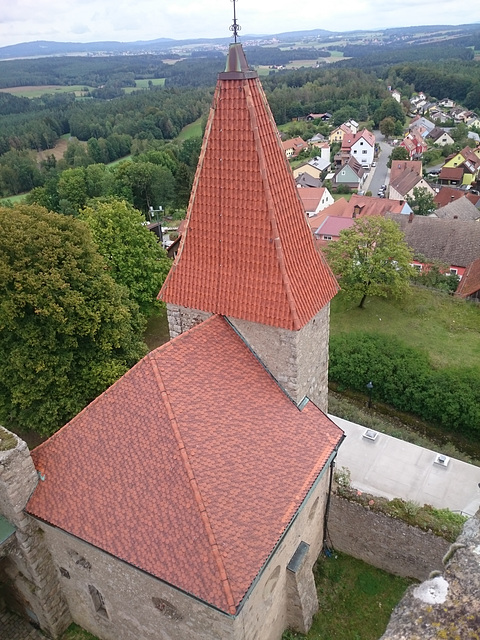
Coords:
379,174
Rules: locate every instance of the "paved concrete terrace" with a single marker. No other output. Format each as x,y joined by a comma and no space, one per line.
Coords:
393,468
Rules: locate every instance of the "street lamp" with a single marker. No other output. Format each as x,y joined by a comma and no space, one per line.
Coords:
370,387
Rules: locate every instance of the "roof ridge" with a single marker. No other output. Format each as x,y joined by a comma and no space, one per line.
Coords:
227,589
271,208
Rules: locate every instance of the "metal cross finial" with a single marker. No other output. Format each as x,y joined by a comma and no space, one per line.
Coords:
235,27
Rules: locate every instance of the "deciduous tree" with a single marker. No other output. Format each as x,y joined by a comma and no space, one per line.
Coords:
371,258
422,202
67,329
134,257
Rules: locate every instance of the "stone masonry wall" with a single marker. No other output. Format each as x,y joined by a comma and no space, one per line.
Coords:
115,601
29,569
447,605
181,319
268,611
298,360
384,542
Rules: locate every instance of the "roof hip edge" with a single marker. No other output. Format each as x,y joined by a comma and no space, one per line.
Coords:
273,222
195,490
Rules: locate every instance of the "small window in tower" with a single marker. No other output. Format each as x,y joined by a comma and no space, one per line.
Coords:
98,601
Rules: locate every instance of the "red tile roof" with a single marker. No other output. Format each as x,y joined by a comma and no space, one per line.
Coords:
247,251
332,225
451,173
449,194
179,470
400,166
311,197
470,282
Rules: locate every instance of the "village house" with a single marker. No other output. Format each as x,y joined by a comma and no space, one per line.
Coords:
337,134
315,200
294,146
454,243
315,166
414,144
440,137
396,95
469,286
445,195
461,168
351,174
330,228
404,182
189,499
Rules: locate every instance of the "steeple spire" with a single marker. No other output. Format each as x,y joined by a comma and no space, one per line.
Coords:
235,27
247,251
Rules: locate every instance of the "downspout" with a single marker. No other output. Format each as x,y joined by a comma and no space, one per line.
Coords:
329,496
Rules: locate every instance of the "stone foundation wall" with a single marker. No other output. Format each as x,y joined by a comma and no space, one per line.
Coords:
384,542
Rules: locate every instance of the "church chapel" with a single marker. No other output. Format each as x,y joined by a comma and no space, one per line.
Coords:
189,499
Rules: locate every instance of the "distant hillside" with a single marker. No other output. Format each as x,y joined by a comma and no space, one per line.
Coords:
45,48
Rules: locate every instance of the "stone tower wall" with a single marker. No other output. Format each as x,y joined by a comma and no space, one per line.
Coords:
28,571
298,360
181,319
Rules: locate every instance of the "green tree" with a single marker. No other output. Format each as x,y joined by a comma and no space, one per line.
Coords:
134,257
422,202
387,127
398,153
72,190
67,329
371,258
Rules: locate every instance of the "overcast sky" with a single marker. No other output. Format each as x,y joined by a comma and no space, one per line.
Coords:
130,20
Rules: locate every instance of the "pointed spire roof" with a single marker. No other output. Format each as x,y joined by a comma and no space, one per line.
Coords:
247,250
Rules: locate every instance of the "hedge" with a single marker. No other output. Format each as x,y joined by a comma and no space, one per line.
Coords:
404,378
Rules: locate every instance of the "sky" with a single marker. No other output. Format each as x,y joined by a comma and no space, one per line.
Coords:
131,20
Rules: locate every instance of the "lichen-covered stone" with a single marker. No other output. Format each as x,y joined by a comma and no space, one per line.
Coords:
446,606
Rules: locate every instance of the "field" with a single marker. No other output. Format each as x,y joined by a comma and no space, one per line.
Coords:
446,328
143,84
31,91
192,130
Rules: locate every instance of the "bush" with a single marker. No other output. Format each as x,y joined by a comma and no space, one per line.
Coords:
404,378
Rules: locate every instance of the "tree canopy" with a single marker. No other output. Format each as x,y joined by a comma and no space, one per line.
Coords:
422,202
134,257
398,153
371,258
67,329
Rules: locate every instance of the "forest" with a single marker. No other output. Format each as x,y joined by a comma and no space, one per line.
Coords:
106,124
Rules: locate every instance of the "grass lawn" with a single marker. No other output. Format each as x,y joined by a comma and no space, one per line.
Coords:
74,632
192,130
446,328
15,199
156,332
356,600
